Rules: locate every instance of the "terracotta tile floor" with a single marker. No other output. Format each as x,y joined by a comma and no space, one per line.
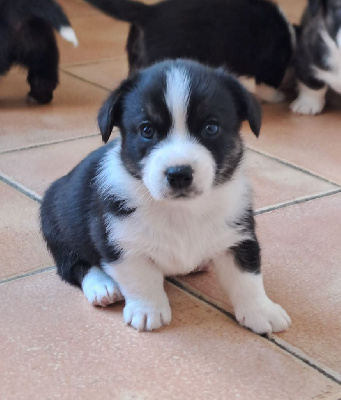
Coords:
54,345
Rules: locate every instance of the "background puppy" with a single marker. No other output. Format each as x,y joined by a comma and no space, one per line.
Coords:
167,197
318,56
27,39
251,38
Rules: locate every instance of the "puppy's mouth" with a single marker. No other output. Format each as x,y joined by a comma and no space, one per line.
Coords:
184,195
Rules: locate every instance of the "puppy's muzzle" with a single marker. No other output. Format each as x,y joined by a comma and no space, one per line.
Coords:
179,177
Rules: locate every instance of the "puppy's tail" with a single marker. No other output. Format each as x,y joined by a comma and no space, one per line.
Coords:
52,13
124,10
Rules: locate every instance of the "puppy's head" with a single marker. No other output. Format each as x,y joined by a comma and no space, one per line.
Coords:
180,122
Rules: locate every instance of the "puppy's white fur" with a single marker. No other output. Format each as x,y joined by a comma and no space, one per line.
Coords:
68,34
99,288
179,148
253,308
175,151
338,38
309,101
331,77
269,94
177,98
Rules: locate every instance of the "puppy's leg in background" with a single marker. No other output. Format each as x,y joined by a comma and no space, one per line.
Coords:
269,94
309,101
5,50
38,52
141,283
239,274
264,92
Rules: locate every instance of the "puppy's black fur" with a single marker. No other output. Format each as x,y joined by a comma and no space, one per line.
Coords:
72,220
249,37
27,39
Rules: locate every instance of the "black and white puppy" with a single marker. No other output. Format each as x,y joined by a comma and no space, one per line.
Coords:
318,56
168,196
27,39
252,38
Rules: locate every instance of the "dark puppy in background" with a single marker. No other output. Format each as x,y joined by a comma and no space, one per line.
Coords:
27,39
252,38
318,56
168,196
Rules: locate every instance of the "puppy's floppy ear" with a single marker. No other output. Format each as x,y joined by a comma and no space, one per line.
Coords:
314,6
111,111
247,106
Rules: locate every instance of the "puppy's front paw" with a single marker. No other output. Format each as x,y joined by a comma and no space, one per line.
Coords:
307,106
147,316
263,317
100,289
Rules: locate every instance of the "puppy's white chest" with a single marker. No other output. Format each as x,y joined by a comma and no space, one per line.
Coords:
180,237
176,242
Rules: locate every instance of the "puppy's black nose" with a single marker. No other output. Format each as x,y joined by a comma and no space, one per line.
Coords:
180,177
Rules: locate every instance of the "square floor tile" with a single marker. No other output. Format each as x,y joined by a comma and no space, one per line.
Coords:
39,167
274,183
293,9
74,8
55,345
22,249
301,266
310,142
72,113
108,74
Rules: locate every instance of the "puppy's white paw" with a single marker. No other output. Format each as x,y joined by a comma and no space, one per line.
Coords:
147,316
100,289
269,94
309,101
263,317
307,105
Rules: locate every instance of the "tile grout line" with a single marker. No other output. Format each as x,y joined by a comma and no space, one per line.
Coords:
303,358
293,166
91,62
33,273
175,282
86,81
35,146
299,200
299,354
20,188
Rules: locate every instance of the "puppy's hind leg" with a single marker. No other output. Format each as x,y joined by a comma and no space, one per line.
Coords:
269,94
98,287
37,51
5,50
239,274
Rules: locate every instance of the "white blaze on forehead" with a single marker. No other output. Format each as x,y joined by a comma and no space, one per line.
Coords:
177,98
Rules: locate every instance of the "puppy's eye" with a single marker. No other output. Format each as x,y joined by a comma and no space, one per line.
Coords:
147,130
211,128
